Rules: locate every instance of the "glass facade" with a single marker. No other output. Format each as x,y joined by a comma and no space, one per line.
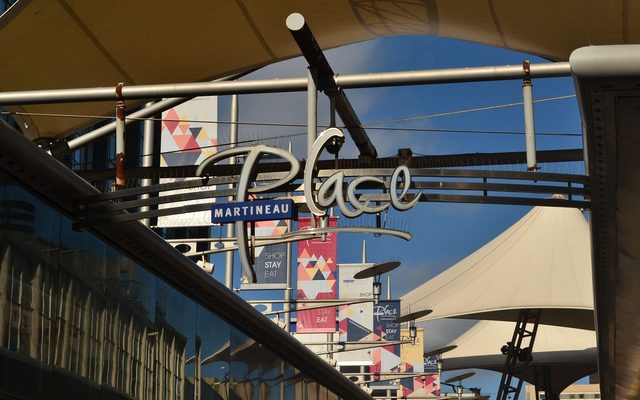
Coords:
5,4
80,319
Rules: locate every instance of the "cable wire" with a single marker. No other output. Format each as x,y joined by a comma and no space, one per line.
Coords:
485,108
369,125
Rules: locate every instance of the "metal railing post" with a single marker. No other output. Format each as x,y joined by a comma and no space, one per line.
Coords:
147,157
529,124
120,144
233,140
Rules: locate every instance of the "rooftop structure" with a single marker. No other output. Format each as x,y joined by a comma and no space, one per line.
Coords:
90,45
542,261
570,354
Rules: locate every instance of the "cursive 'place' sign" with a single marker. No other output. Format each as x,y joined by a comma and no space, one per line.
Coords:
334,191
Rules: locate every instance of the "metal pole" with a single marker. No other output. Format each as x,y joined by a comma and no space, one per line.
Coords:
120,145
450,75
388,287
233,139
150,110
529,124
312,109
312,118
364,251
287,291
147,156
386,79
156,108
324,75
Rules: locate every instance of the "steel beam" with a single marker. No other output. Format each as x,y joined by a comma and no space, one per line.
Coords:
120,142
147,157
325,77
93,217
384,79
108,129
529,123
148,111
233,140
435,161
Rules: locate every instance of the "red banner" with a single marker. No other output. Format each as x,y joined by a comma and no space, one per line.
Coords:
317,279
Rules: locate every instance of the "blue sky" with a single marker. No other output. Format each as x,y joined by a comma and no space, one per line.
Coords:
442,233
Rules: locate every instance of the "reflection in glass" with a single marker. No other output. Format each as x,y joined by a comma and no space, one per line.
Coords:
213,350
68,299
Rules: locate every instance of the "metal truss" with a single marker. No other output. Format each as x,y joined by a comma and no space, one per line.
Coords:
526,328
543,383
451,185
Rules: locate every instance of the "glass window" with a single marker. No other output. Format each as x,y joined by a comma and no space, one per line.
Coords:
211,359
70,300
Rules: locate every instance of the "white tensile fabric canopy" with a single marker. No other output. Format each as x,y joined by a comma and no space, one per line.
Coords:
76,43
543,261
569,353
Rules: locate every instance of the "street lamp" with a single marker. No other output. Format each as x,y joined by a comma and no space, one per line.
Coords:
459,388
375,272
439,352
411,319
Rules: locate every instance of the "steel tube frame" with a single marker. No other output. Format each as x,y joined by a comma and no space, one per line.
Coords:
288,290
233,139
312,109
309,301
312,115
148,111
529,122
120,144
147,157
529,127
325,77
451,75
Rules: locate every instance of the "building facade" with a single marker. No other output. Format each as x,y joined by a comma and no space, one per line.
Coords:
575,391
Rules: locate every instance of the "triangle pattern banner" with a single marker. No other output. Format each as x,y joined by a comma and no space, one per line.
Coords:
317,280
185,140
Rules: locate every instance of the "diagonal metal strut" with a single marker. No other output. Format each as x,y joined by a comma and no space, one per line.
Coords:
326,82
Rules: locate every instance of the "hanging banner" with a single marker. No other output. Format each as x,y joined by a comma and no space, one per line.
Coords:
412,360
317,279
431,364
430,385
186,140
271,261
387,358
355,321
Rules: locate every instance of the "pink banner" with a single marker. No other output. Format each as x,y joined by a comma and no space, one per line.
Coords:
317,279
